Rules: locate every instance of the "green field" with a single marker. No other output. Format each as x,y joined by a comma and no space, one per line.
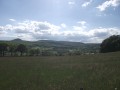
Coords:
91,72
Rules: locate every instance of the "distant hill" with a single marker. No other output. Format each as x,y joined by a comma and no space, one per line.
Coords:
60,46
17,40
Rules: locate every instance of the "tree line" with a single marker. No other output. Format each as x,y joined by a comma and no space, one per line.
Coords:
12,49
24,50
110,44
16,49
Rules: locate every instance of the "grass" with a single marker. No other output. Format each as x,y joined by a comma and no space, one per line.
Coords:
91,72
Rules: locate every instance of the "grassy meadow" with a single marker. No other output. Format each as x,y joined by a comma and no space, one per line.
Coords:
90,72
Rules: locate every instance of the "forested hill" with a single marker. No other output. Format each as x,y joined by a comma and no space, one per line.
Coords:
59,46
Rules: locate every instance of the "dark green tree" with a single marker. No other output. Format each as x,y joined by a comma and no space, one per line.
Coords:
35,51
110,44
12,49
21,48
32,52
3,48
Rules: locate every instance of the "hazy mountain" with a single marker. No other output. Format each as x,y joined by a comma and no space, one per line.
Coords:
17,40
58,45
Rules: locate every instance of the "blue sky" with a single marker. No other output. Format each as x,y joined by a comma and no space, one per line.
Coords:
65,20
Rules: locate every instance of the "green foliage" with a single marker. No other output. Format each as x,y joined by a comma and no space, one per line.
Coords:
49,48
21,48
12,49
36,51
111,44
3,48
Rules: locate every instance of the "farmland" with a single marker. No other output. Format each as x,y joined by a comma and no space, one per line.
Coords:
90,72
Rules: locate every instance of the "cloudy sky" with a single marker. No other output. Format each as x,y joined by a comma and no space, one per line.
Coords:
88,21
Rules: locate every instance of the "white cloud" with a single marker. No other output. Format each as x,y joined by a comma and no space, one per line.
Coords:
99,34
12,19
71,3
85,4
110,3
63,25
35,30
91,36
2,31
1,28
30,29
82,22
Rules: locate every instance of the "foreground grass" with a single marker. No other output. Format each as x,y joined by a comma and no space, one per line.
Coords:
92,72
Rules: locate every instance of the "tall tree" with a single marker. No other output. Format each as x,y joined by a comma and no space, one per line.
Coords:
21,48
110,44
3,48
35,51
12,48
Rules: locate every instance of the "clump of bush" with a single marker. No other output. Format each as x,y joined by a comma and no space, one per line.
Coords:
110,44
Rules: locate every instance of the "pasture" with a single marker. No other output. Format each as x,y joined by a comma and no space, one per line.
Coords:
90,72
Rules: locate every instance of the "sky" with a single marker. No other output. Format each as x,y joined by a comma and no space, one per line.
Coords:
87,21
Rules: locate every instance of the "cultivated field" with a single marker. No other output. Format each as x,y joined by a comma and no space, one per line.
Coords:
91,72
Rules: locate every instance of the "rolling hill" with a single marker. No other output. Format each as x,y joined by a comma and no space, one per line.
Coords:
59,46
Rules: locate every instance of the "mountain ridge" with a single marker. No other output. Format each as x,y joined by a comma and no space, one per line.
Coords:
19,40
58,45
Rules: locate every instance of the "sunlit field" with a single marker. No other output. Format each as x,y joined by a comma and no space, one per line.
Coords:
90,72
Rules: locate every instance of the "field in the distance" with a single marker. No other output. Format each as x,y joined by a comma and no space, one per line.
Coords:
91,72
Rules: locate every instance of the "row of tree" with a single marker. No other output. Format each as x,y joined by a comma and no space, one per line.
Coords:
12,49
110,44
24,50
